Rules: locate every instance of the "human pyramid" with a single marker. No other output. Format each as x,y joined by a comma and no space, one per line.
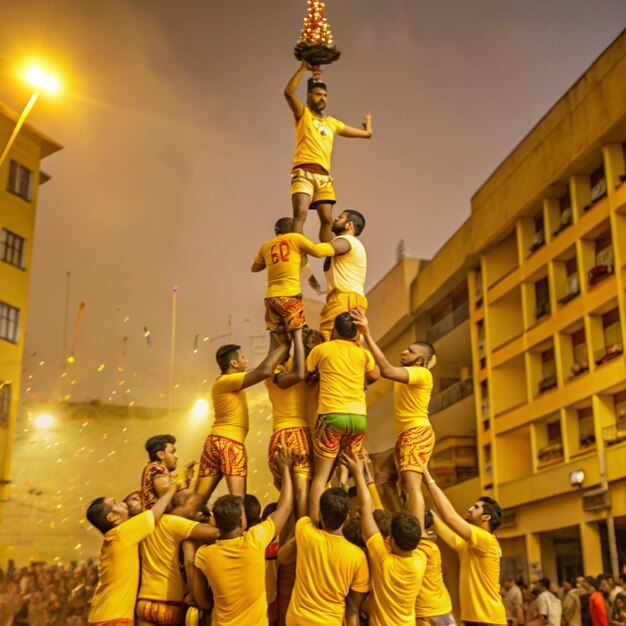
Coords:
305,561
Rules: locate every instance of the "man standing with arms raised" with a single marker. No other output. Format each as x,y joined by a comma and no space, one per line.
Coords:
479,554
311,184
224,452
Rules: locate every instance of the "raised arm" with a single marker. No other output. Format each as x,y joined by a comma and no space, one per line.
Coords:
267,366
290,91
164,501
204,533
359,133
386,369
285,502
285,380
445,508
257,267
368,523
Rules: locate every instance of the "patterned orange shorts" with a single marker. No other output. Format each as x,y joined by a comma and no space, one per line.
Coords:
413,449
284,313
222,456
112,622
339,432
298,441
160,612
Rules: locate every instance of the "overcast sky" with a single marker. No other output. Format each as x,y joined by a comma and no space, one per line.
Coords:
178,144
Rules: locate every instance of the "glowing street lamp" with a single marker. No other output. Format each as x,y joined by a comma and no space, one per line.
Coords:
44,421
42,82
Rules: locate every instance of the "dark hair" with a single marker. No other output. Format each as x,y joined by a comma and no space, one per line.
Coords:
225,354
97,513
252,507
357,220
268,510
158,443
544,582
344,325
227,512
592,581
421,361
334,507
405,530
352,531
284,225
383,521
493,509
428,518
311,84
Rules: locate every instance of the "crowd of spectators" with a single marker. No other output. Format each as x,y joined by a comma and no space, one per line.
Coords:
46,595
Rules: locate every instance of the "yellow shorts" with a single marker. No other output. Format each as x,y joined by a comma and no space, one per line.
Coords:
318,186
338,302
298,441
284,313
160,612
413,449
222,456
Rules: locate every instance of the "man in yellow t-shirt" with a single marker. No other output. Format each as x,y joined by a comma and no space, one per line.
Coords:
161,593
332,577
433,605
412,387
282,257
234,566
344,368
114,598
311,184
479,554
224,453
346,271
397,570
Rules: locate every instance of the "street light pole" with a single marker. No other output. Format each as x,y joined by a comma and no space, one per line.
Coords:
41,81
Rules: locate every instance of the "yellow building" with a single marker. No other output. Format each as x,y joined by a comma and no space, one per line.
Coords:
526,307
20,179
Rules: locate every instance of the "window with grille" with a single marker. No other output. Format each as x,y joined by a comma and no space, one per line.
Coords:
5,402
20,181
12,248
9,322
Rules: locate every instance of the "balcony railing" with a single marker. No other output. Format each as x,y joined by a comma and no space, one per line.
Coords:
452,394
448,323
607,353
614,434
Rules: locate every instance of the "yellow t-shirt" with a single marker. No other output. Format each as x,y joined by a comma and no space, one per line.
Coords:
235,570
288,405
314,139
118,569
282,257
342,365
411,399
396,581
230,407
347,271
433,598
479,558
327,568
160,571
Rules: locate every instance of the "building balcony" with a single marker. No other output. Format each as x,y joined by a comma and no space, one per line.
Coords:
451,395
614,434
448,323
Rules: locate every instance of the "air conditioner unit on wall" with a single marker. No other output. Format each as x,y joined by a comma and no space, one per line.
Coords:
596,500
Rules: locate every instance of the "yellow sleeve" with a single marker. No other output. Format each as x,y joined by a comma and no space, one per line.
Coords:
361,581
259,258
179,526
421,376
370,363
338,126
377,549
480,539
136,529
447,535
306,246
312,361
262,534
229,382
376,503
